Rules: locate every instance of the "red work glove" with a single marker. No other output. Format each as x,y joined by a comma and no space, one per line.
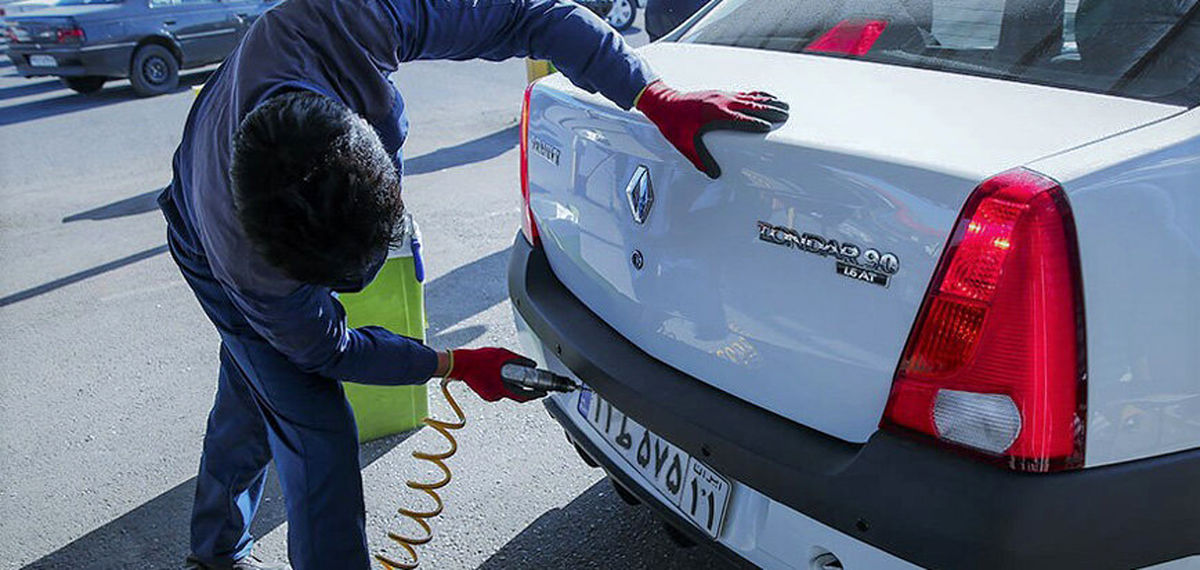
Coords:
684,117
480,369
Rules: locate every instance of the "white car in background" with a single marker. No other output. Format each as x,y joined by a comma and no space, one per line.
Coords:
947,316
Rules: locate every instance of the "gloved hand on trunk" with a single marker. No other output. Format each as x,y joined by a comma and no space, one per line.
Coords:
480,369
683,118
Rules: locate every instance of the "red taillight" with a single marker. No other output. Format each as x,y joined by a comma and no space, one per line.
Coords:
72,35
995,361
849,37
528,225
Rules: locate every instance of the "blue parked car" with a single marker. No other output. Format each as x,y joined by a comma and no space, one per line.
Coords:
88,42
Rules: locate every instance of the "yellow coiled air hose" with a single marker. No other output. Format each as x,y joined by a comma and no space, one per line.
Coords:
523,379
439,459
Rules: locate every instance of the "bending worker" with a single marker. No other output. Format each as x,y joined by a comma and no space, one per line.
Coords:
287,188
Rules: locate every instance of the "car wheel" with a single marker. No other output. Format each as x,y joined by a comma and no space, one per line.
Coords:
622,14
86,85
154,70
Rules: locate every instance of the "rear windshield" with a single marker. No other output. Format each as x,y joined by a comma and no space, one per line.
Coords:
1145,49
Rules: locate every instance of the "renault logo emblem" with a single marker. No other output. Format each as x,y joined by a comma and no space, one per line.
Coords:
640,194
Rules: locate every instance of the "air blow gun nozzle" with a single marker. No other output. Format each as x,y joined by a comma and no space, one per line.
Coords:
532,378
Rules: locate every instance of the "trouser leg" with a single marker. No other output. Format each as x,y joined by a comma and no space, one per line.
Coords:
314,441
232,470
309,429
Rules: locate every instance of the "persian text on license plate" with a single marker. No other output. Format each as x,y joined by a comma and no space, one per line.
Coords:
42,61
700,493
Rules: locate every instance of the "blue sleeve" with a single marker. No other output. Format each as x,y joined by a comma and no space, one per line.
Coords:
581,45
309,327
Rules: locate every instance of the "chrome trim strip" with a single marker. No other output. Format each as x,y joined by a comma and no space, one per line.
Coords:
108,46
205,34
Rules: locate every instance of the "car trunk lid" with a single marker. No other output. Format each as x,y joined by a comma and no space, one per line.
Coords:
793,280
41,26
42,31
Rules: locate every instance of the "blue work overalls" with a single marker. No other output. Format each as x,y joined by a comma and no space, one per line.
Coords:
285,345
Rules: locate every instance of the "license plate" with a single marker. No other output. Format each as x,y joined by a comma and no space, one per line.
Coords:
42,61
698,492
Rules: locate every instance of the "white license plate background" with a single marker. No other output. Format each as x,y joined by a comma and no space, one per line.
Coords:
699,493
42,61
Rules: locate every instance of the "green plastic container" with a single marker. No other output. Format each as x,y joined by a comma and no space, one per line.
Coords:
536,69
395,300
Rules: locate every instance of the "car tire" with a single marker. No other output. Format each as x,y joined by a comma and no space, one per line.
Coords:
85,85
153,71
622,14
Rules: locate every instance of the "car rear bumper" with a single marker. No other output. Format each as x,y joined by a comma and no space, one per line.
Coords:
624,477
913,500
758,532
107,60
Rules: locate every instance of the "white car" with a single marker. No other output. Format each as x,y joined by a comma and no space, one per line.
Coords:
947,316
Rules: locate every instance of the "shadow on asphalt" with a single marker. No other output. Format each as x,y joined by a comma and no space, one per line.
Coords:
71,102
594,526
156,535
132,206
477,150
598,530
27,89
450,299
81,275
461,294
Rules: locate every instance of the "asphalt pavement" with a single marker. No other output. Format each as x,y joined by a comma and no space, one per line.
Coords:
109,366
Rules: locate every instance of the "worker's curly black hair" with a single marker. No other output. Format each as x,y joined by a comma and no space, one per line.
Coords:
314,189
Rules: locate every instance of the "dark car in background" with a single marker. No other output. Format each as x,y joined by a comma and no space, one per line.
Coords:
88,42
662,16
